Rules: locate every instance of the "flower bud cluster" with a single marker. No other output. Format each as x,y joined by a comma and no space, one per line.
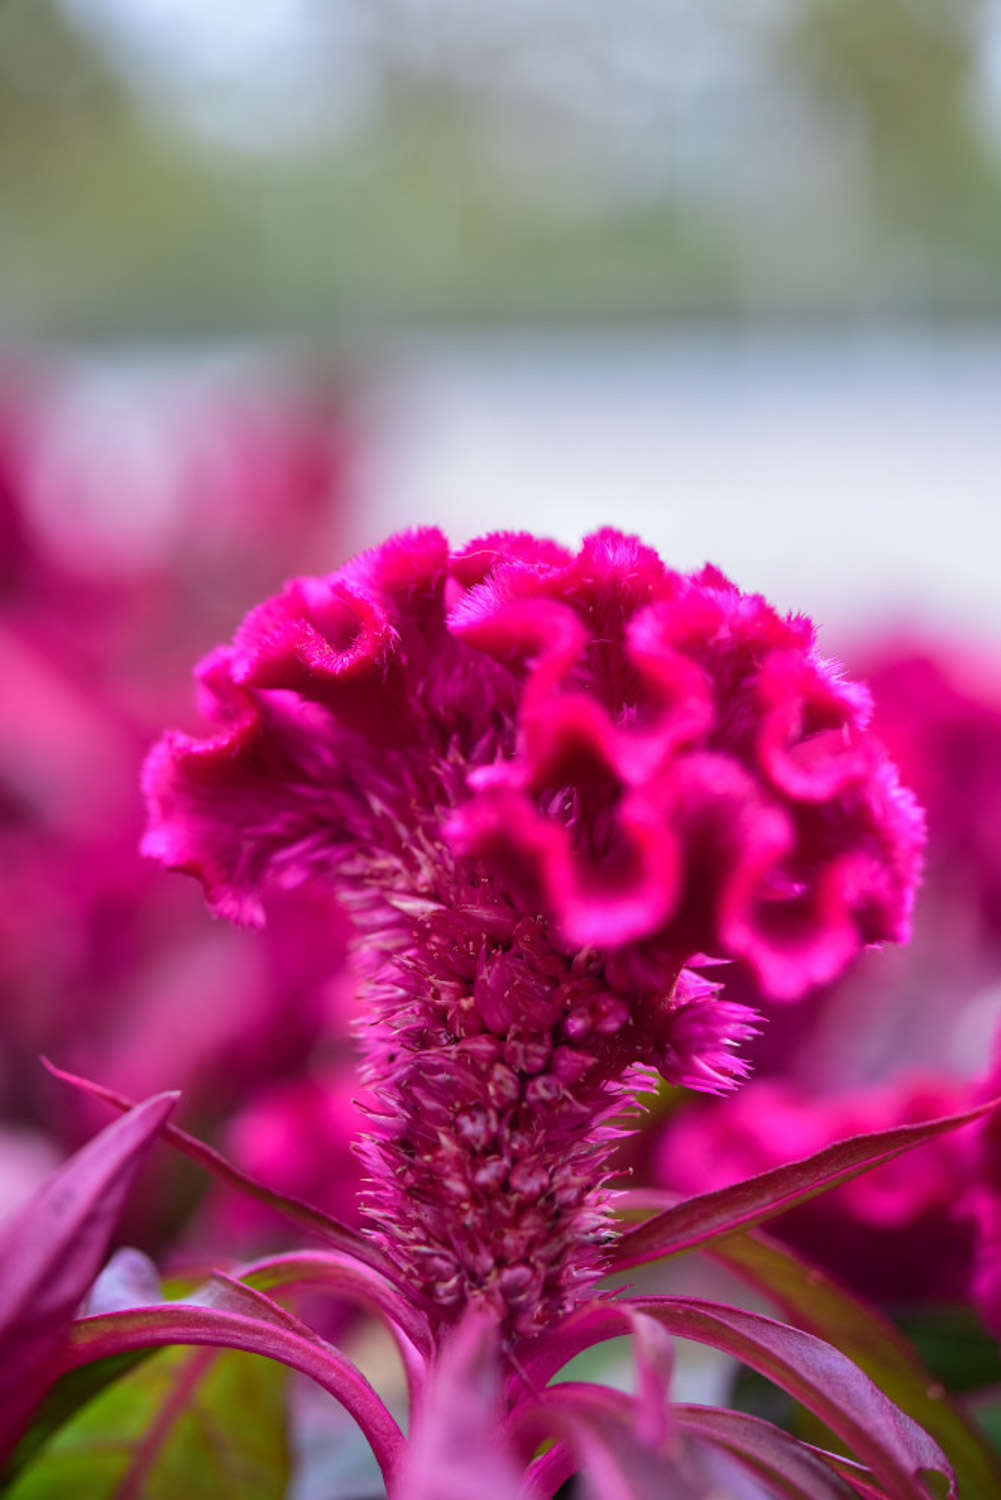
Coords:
501,1062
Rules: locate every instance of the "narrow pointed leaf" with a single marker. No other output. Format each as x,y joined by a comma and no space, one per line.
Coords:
53,1249
818,1375
696,1221
259,1327
770,1453
295,1209
129,1274
653,1358
812,1300
614,1462
344,1277
861,1480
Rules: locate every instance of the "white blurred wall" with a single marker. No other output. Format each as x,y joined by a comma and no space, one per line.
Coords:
846,476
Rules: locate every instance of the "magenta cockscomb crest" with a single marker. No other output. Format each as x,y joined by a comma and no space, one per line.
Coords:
549,788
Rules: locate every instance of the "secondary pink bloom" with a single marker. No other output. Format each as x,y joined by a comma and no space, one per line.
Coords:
981,1204
892,1233
297,1136
543,784
939,710
103,964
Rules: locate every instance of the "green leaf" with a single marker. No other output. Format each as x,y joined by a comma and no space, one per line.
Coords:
70,1392
199,1422
814,1302
986,1408
954,1344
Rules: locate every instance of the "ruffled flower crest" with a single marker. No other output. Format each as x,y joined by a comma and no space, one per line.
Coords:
544,785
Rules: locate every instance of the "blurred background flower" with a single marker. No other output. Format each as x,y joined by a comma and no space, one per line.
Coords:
132,523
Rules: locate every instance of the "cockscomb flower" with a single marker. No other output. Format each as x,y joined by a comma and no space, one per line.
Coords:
547,787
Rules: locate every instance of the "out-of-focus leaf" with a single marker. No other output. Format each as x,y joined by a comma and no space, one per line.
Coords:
955,1346
245,1320
600,1426
299,1212
551,1473
130,1279
53,1249
768,1451
616,1465
817,1374
985,1406
815,1302
693,1222
456,1450
858,1476
191,1422
653,1356
69,1393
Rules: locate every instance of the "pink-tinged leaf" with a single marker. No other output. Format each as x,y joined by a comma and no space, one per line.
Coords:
299,1212
456,1450
696,1221
773,1455
615,1465
344,1277
248,1321
653,1367
130,1280
229,1295
858,1475
545,1474
817,1374
812,1300
52,1250
613,1461
653,1360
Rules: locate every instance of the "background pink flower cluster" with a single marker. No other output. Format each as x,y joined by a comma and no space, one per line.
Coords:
123,550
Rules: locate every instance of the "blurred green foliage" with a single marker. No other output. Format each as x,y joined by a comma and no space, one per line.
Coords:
906,72
821,158
187,1421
